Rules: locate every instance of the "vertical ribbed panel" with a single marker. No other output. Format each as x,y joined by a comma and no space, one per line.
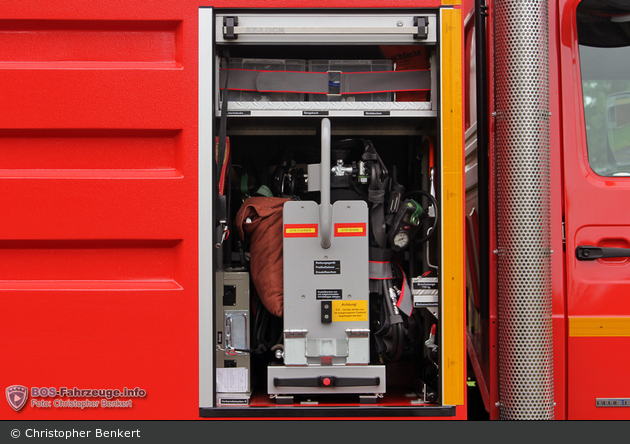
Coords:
523,209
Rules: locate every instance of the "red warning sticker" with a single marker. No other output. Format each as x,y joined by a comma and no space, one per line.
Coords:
300,230
352,229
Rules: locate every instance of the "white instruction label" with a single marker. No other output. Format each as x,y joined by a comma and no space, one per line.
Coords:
232,380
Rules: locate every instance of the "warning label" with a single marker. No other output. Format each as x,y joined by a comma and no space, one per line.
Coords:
327,267
345,311
358,229
328,294
300,230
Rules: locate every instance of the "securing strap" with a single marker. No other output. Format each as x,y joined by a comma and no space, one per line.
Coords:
380,270
321,82
384,81
405,304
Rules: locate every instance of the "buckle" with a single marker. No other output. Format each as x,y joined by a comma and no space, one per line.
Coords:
334,83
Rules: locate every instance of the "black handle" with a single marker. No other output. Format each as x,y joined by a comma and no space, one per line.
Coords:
590,253
326,381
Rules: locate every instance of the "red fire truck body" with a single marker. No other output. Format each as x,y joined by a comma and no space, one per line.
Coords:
586,184
115,255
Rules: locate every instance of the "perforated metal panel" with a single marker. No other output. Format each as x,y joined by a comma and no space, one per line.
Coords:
523,210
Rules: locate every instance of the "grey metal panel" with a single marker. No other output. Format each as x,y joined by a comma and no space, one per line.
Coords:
359,349
524,208
334,109
326,28
344,278
205,170
295,351
302,309
238,373
239,280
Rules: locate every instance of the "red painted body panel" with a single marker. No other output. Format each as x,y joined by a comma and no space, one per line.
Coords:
99,236
558,289
491,362
596,214
98,171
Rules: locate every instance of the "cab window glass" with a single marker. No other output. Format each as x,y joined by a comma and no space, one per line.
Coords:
604,44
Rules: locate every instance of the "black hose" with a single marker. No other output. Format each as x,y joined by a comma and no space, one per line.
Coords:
395,327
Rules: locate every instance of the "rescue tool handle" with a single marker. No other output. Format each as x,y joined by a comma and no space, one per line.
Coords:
325,214
590,252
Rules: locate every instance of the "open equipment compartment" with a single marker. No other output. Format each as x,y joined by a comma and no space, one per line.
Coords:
324,193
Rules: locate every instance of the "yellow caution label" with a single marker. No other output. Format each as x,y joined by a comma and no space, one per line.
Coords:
350,230
358,229
300,230
345,311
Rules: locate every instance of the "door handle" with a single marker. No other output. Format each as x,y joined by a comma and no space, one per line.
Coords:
590,253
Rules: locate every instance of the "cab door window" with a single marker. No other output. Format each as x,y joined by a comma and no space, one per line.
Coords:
604,44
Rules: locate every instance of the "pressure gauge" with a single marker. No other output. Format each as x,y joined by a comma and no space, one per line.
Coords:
401,239
406,224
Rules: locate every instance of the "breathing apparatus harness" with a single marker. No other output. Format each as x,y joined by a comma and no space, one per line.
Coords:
395,220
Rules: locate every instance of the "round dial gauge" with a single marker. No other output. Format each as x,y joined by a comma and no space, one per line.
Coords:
401,239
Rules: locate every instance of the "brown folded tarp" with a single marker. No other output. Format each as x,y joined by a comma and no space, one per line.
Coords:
260,219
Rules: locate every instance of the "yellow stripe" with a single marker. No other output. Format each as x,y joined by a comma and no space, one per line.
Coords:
452,315
451,2
593,327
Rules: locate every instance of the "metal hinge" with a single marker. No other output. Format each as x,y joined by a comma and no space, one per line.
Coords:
295,333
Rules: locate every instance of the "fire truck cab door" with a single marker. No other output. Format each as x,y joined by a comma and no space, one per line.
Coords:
595,78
